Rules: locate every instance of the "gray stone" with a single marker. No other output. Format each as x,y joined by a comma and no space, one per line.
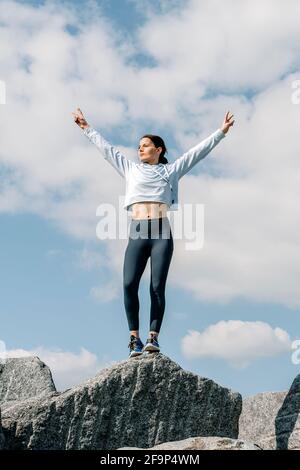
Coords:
143,401
272,420
1,435
202,443
24,377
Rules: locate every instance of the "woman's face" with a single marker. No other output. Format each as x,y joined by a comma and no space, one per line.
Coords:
148,153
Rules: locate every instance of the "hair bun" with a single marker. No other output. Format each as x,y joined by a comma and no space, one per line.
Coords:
162,160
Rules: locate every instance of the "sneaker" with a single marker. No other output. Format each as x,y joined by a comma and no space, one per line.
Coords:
135,346
152,344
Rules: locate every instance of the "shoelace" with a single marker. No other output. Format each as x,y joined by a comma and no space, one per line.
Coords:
152,339
132,342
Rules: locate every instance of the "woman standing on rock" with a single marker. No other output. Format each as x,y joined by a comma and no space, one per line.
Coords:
151,190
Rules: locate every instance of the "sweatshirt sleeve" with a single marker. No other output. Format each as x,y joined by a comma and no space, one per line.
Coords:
112,155
189,159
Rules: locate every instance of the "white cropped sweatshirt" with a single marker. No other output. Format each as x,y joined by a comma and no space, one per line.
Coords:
153,183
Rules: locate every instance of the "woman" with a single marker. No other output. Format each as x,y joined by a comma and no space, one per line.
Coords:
151,190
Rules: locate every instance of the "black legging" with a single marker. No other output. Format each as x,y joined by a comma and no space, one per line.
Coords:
147,238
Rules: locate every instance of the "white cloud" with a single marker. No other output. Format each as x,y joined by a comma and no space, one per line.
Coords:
68,369
237,342
208,43
251,248
105,293
54,253
90,259
251,213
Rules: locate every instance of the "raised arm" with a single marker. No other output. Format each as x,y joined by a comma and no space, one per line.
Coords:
189,159
112,155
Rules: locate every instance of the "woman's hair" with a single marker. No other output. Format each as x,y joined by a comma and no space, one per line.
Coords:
158,142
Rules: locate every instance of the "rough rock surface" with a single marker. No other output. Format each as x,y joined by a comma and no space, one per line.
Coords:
1,435
203,443
24,377
141,402
272,419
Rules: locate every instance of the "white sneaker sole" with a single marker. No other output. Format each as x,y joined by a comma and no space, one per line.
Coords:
149,347
134,354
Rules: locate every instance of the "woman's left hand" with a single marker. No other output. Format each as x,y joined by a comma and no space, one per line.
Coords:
227,123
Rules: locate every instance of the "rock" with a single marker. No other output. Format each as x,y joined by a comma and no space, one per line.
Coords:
272,419
143,401
202,443
1,435
24,377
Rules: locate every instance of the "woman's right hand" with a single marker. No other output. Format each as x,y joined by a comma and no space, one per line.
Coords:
79,119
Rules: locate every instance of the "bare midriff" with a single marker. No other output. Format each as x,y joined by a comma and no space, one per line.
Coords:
149,210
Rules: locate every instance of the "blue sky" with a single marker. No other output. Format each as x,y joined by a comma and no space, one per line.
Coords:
61,287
